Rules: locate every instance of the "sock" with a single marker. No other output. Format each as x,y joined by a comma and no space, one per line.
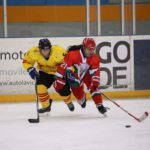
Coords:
43,96
67,99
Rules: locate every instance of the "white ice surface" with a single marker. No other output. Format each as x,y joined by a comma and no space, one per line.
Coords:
83,129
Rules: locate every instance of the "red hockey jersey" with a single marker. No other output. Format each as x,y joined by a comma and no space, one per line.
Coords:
77,61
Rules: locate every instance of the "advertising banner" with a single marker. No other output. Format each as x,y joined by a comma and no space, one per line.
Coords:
115,54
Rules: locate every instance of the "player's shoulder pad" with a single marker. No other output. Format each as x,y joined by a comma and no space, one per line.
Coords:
74,55
32,51
35,49
95,59
59,50
75,52
57,47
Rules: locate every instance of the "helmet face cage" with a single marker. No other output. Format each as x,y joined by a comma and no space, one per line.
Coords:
89,43
44,44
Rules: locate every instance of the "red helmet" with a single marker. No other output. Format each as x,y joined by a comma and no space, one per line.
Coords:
89,43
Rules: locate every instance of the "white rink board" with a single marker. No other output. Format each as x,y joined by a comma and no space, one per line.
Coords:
15,80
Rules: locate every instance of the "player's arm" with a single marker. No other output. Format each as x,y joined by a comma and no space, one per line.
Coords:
28,60
95,73
28,64
70,70
60,80
67,63
63,72
65,60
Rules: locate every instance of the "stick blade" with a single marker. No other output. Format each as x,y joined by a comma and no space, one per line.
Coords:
34,120
143,117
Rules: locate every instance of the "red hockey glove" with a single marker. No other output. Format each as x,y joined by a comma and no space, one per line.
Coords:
94,86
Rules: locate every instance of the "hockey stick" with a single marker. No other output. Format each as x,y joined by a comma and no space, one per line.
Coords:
140,119
36,120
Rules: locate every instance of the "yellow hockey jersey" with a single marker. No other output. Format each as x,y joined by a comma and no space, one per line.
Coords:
33,56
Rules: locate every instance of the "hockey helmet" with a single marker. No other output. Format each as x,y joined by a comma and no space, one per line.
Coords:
44,43
89,43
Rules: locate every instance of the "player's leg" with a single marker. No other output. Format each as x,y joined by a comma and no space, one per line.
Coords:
65,93
80,95
44,82
96,95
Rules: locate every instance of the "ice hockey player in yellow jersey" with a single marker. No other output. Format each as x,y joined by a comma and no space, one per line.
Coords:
46,57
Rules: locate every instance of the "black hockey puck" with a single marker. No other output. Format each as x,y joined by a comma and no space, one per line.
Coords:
128,126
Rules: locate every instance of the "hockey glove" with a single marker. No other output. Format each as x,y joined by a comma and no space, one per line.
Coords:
73,81
94,86
33,73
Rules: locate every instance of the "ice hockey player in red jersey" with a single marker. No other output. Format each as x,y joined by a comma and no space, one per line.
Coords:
81,66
